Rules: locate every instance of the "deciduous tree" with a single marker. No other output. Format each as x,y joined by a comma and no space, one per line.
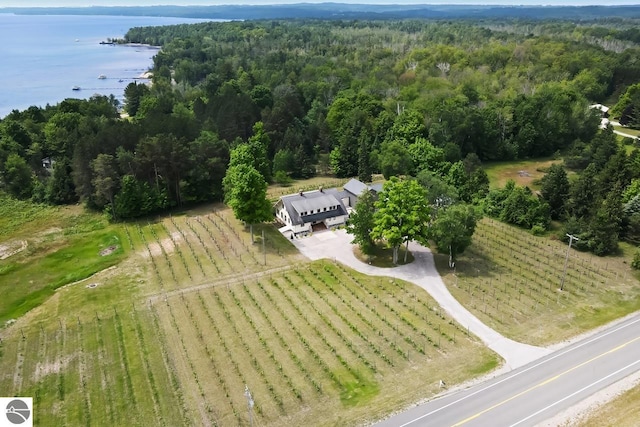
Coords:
453,229
402,214
245,191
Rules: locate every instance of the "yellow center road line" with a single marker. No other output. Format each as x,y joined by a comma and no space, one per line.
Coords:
545,382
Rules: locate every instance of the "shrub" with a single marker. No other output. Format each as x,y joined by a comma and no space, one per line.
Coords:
635,264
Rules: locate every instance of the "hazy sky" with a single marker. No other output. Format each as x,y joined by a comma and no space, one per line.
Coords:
39,3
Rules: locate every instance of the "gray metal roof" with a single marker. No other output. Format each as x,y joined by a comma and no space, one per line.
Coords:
376,187
312,204
355,187
313,200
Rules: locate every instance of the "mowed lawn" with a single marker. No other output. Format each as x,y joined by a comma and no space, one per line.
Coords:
194,311
511,280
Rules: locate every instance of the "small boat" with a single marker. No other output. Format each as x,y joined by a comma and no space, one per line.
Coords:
120,81
75,88
102,77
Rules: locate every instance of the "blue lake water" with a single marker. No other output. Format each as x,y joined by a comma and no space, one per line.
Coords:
43,57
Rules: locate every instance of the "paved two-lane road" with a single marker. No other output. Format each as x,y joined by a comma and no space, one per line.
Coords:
536,392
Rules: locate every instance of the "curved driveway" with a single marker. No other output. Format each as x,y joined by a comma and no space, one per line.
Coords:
337,245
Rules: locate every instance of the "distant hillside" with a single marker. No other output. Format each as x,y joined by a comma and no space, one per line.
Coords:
347,11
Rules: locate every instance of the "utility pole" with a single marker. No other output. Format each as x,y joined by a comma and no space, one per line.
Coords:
247,394
566,259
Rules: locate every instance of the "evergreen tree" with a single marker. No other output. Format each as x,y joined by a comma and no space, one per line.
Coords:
61,190
361,222
584,194
555,190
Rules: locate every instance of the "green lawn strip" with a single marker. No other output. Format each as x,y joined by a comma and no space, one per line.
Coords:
42,363
26,285
83,375
69,376
50,410
511,279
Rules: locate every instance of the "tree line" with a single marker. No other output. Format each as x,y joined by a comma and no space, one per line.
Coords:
413,97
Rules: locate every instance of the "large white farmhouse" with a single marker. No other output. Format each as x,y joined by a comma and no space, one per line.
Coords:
320,209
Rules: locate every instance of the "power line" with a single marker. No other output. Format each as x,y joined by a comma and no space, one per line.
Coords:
566,259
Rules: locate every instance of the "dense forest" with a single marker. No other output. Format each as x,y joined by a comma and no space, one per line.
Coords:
410,97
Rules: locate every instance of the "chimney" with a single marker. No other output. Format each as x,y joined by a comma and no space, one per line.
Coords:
320,188
301,193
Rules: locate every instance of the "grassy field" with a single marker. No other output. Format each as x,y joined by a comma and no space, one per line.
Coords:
44,248
511,279
523,172
193,312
